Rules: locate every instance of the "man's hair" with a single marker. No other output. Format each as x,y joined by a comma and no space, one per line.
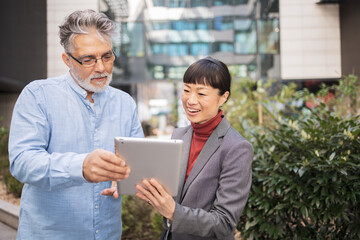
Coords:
83,22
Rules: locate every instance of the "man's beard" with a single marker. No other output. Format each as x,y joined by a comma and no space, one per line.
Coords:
88,86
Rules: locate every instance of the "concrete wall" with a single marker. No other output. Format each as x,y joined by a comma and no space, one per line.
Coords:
309,40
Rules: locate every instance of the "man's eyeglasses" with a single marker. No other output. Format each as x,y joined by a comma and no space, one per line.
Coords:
89,61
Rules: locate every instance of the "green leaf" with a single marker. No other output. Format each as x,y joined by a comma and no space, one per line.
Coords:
304,211
332,156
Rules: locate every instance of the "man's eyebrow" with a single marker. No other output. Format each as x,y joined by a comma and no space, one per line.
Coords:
93,56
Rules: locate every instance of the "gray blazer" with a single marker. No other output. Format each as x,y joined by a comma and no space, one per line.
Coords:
209,204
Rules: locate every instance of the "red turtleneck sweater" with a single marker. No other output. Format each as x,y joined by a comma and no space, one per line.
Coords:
200,135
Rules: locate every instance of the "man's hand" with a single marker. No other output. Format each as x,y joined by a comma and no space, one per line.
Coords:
111,191
101,165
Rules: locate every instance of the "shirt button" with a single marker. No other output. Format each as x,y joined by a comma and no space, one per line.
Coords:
96,130
88,107
96,206
97,231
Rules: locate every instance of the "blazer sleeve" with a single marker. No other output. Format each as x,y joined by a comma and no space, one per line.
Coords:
231,196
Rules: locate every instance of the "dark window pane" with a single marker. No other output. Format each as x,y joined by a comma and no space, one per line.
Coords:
160,25
135,32
240,2
159,3
182,25
268,36
222,2
223,47
177,3
199,3
223,23
203,25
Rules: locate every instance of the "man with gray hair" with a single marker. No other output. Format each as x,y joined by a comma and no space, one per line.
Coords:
61,143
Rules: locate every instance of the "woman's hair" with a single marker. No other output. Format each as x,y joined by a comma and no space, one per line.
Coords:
209,71
83,22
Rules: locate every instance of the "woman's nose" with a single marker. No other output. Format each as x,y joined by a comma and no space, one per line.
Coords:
192,99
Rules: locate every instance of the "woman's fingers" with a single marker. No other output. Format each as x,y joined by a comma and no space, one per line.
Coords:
158,187
154,191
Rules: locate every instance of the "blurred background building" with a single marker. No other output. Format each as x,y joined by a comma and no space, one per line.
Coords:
305,41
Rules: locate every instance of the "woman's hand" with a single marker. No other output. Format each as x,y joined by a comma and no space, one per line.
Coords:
156,195
111,191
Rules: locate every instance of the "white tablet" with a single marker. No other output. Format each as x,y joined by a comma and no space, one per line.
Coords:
150,158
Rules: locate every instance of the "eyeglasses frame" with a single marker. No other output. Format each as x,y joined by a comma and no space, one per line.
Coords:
96,59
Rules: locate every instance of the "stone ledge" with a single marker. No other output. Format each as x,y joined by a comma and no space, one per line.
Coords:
9,214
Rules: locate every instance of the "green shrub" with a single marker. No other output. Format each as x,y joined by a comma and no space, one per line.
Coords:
253,104
139,220
4,135
306,181
12,184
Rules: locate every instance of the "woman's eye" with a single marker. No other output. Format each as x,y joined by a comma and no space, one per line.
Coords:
186,90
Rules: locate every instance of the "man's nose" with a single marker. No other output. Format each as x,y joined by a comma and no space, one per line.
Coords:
99,66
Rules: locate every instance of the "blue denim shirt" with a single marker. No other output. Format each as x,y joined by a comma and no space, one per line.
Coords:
53,129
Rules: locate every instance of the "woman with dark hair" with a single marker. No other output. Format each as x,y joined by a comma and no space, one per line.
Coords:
216,176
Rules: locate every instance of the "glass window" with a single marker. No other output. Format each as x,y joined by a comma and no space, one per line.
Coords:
160,25
226,47
182,25
158,48
268,36
245,37
240,2
159,3
177,50
135,33
177,3
202,25
268,8
243,70
200,49
176,72
222,2
158,72
223,23
223,47
121,42
270,65
199,3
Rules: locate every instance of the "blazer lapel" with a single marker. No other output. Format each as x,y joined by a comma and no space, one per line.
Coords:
210,147
185,158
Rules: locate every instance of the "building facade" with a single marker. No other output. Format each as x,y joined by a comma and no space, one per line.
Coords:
286,40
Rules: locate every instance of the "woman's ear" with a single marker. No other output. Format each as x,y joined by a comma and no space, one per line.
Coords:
224,98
